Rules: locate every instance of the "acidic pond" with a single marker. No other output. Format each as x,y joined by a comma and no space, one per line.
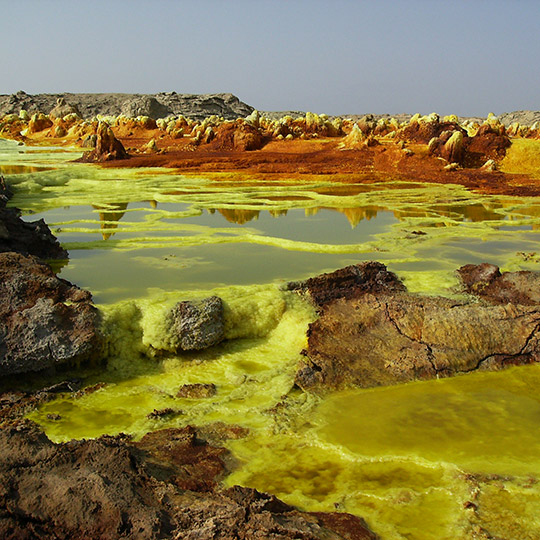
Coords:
444,459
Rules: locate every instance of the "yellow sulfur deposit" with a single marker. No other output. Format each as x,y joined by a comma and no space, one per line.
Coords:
444,459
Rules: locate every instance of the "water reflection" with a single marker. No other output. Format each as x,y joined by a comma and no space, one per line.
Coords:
109,218
22,169
474,213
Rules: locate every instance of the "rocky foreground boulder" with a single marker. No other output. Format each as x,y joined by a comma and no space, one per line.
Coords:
46,321
165,486
198,325
372,332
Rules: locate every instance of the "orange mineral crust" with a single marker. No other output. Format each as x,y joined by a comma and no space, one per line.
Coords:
423,149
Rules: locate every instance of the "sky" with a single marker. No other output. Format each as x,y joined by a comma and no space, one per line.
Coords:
465,57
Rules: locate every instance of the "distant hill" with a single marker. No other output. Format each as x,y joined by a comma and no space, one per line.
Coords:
196,106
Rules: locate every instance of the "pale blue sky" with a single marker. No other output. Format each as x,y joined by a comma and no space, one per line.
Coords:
341,56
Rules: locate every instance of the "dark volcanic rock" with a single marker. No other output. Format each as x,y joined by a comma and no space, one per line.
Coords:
198,324
349,282
33,238
196,106
29,238
385,338
162,487
107,146
486,281
46,321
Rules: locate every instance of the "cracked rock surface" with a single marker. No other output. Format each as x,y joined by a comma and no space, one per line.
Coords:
46,321
385,337
164,486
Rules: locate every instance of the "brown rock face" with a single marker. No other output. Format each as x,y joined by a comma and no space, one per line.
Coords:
488,143
349,282
107,148
423,132
384,338
161,487
237,135
485,280
46,321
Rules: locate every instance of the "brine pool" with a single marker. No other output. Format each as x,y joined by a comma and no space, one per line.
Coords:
444,459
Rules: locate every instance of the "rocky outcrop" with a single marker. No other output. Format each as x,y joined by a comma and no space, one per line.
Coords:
196,106
63,108
237,135
198,325
486,281
164,486
28,238
46,321
489,142
107,146
349,282
384,337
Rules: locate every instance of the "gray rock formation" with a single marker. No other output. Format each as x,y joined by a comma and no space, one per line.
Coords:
196,106
525,118
45,321
198,324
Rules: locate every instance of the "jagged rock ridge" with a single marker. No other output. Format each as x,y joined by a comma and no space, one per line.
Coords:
196,106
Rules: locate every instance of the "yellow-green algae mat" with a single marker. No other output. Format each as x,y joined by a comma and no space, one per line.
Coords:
444,459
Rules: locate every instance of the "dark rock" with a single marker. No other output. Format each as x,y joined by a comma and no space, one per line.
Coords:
47,321
168,413
196,106
349,282
246,514
29,238
197,391
5,191
486,281
391,337
423,132
198,324
107,147
165,486
82,489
